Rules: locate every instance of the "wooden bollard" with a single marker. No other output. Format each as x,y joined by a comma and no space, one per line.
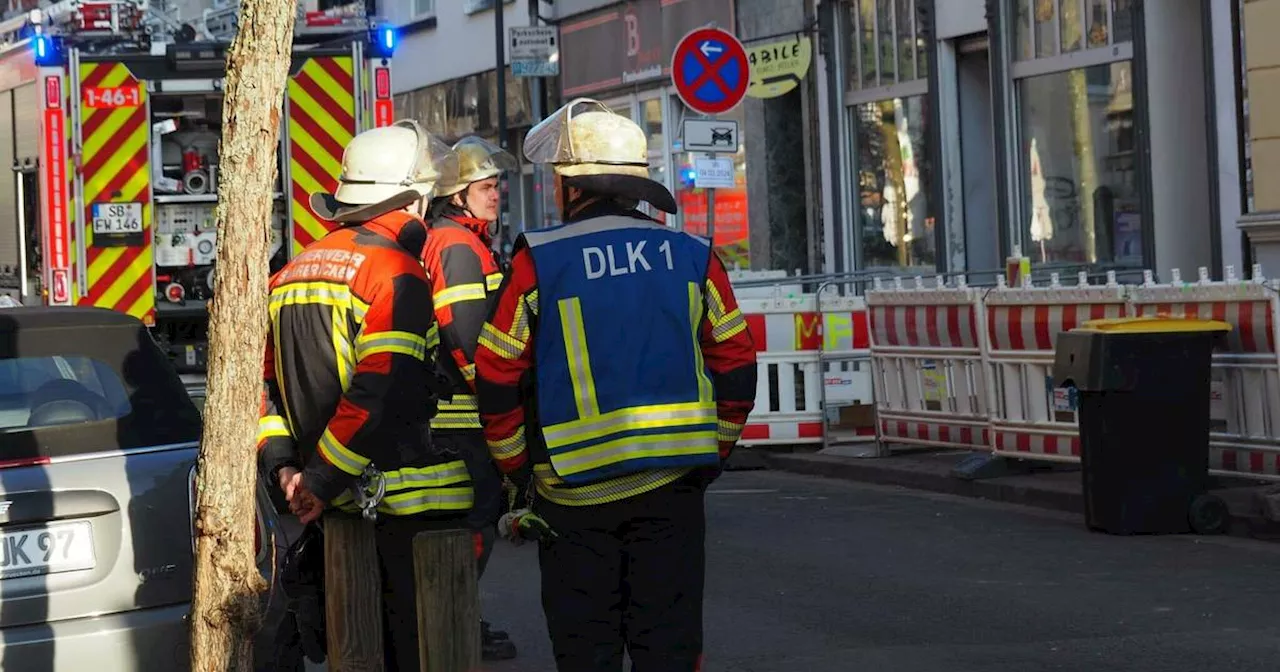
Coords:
444,563
353,595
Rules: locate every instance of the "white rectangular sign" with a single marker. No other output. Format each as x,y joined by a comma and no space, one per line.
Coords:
533,43
710,135
713,174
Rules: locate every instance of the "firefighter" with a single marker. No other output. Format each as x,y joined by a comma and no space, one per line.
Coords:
349,363
464,274
615,373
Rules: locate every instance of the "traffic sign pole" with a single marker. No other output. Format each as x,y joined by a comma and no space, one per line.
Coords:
711,73
535,110
711,213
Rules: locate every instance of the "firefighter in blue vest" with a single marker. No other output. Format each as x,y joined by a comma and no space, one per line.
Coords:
615,373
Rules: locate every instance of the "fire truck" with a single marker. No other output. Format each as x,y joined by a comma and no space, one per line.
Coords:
110,115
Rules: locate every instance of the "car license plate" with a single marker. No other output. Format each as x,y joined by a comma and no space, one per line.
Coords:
117,218
57,547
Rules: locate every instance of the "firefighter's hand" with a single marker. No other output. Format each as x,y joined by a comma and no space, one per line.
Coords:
523,525
289,479
302,502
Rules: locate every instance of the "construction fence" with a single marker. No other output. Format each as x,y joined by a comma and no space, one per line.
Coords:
938,363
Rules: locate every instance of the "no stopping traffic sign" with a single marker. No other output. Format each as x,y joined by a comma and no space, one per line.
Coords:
710,70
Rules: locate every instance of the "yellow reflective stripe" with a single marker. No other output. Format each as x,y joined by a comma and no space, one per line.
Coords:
520,323
551,487
415,501
271,425
340,456
493,281
279,369
732,325
433,336
450,295
671,444
395,342
342,347
310,293
434,476
531,300
460,402
705,391
469,372
429,499
729,431
575,347
456,421
631,418
505,449
717,307
360,308
501,344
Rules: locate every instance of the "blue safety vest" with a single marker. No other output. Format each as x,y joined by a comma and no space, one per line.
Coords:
621,383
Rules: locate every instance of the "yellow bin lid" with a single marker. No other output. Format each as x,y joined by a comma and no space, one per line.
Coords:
1152,324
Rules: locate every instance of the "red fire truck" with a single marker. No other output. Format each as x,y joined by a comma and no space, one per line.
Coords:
112,131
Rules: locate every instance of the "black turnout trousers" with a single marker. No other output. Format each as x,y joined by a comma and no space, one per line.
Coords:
399,589
627,574
486,481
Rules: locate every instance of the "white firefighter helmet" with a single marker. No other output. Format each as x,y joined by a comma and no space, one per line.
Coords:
600,149
478,159
386,169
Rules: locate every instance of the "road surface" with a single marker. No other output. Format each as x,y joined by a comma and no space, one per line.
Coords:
817,575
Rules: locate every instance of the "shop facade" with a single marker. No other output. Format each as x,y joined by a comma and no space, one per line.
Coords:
620,53
454,91
1080,133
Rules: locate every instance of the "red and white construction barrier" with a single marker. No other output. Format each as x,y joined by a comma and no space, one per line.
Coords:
1030,417
926,352
1245,407
790,334
921,339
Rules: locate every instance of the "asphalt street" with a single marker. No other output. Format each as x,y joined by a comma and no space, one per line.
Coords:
816,575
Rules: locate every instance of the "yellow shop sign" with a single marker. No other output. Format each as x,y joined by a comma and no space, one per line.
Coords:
778,67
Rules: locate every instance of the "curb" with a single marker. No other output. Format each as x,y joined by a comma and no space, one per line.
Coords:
862,470
1022,490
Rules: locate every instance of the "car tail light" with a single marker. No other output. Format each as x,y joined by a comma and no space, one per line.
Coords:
23,462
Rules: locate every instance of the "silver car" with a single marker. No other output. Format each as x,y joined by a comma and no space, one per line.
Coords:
98,443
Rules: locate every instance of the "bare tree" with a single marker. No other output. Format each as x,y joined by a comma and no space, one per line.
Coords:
227,583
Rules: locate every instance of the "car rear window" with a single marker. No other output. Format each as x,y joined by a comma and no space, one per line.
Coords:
52,391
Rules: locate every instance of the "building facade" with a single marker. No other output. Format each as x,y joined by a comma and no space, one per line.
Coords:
446,79
621,53
1079,133
1258,61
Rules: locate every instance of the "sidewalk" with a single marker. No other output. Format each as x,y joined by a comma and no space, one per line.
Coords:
1048,486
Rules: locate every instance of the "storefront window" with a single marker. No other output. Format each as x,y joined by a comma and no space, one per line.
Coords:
886,43
731,235
894,181
1080,198
1047,28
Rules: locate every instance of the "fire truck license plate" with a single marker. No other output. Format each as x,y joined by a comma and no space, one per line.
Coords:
117,218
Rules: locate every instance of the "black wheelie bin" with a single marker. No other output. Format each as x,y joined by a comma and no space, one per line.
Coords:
1143,386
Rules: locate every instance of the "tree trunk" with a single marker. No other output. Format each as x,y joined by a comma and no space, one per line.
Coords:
227,583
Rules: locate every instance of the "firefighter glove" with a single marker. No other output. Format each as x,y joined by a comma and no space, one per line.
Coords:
523,525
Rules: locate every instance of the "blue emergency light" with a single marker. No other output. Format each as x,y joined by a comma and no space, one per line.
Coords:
47,49
384,41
